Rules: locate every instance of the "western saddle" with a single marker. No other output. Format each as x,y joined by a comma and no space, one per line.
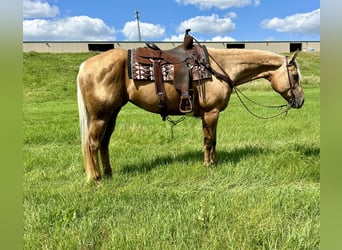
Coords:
183,58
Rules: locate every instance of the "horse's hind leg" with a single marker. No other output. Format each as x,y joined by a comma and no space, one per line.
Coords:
104,150
96,132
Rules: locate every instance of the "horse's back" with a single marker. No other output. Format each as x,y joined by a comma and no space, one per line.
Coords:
104,61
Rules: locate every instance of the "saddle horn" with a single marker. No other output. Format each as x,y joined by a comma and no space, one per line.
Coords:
188,40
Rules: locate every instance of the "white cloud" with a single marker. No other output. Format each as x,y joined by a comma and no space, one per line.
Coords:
304,23
180,38
77,28
147,31
222,38
207,25
221,4
176,38
270,38
232,15
39,9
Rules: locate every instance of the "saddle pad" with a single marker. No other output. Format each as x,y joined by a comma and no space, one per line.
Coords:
144,72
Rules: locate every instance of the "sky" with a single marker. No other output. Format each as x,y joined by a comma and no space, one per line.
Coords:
166,20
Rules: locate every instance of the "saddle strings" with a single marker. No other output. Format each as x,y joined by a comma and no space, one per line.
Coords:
225,77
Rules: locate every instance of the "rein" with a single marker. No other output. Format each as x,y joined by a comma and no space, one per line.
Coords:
288,106
225,77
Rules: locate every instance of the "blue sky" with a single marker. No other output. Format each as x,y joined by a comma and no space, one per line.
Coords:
166,20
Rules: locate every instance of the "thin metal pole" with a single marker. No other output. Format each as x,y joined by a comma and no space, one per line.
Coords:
137,16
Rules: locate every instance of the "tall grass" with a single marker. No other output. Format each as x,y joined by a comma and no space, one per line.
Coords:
263,194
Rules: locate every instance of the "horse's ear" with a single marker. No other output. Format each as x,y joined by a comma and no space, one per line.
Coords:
293,57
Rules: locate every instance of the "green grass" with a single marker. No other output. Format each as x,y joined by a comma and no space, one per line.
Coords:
263,194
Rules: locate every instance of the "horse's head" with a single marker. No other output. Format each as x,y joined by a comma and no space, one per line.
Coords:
286,81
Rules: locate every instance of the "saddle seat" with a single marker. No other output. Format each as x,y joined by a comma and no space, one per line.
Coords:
173,56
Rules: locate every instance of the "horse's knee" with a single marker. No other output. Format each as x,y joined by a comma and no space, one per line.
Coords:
206,142
209,143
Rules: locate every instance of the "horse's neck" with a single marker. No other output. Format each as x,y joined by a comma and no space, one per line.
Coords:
245,65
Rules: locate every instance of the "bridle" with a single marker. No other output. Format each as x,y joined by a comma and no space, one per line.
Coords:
292,86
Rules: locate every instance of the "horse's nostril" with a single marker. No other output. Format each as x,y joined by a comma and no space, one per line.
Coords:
298,104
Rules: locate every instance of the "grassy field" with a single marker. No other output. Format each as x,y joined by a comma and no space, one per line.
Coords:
263,194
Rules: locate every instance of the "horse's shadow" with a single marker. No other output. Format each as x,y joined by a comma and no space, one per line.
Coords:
307,150
233,157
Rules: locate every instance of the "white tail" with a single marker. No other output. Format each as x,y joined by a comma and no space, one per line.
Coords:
83,115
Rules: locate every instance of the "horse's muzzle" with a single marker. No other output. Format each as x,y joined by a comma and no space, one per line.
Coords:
296,103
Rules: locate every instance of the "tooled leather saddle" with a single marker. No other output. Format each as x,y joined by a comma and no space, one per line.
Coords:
183,59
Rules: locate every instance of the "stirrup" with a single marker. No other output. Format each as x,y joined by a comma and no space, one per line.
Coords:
185,105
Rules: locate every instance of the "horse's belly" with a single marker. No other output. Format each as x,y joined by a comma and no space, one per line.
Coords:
143,94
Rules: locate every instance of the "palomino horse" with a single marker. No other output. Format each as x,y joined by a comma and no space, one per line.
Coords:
104,88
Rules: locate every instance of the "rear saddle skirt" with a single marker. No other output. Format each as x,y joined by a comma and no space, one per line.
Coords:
180,65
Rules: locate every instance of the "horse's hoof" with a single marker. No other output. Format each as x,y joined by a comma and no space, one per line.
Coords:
210,164
206,164
213,163
95,180
108,173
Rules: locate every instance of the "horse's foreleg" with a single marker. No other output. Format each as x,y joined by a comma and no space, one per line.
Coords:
105,143
209,124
